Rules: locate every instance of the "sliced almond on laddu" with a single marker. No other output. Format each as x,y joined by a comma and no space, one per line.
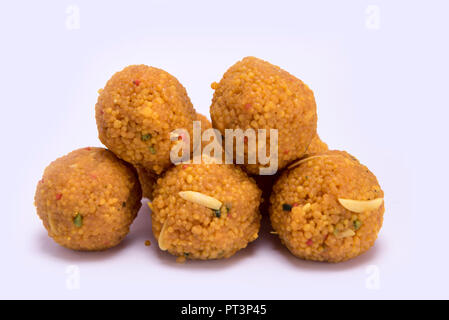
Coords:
201,199
361,205
345,234
161,241
297,163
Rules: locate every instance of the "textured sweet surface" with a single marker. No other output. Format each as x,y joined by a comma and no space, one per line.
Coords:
147,181
205,123
256,94
88,199
317,146
308,217
193,231
137,110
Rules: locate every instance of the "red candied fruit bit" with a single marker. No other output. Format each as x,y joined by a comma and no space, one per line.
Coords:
136,82
181,136
248,106
295,204
286,151
88,148
93,176
309,242
58,196
184,166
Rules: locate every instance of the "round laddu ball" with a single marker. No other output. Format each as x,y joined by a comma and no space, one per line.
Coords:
147,181
192,229
317,146
136,112
256,94
88,199
327,208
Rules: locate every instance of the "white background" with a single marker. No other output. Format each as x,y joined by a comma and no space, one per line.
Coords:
379,70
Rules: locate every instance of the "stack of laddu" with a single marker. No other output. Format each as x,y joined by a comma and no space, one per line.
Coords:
323,204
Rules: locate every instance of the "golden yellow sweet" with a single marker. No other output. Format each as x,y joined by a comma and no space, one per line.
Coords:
307,213
184,223
136,112
256,94
88,199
